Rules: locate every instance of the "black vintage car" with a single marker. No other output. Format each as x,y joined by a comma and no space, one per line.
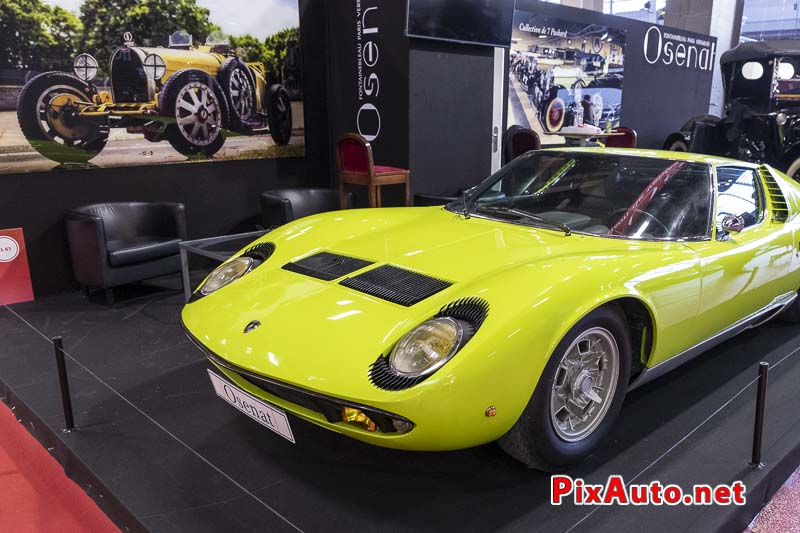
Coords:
762,109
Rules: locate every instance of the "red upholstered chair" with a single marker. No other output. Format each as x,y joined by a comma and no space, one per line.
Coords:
628,140
520,140
356,167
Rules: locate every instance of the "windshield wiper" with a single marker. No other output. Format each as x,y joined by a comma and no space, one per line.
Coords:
524,214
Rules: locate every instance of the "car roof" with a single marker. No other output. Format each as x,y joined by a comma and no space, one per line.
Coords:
659,154
760,50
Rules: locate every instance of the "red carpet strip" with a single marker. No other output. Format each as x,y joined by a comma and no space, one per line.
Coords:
35,494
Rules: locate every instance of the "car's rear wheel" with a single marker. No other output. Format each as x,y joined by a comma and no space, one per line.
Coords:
48,111
240,91
194,101
578,397
279,114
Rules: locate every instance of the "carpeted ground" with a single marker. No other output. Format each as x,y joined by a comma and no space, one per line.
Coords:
782,513
35,494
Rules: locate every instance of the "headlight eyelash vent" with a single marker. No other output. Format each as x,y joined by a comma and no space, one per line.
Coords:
261,251
472,310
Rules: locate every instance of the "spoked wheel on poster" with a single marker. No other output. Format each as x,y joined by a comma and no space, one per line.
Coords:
238,86
555,112
48,111
279,114
195,102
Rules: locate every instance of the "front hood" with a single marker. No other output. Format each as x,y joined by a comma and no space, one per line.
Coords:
323,336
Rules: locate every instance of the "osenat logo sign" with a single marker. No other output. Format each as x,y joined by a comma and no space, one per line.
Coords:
9,249
666,48
368,117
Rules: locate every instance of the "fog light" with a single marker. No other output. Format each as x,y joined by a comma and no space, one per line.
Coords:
402,426
781,119
356,417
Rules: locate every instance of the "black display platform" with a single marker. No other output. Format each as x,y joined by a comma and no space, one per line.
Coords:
159,451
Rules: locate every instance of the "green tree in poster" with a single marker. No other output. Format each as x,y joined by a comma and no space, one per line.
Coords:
278,44
35,36
251,48
150,21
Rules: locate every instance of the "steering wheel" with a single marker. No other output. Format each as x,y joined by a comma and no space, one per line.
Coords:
612,219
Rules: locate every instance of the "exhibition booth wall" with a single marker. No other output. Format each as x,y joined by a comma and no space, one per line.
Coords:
220,198
424,105
428,105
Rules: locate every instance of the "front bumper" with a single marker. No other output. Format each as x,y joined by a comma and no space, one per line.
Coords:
324,408
440,418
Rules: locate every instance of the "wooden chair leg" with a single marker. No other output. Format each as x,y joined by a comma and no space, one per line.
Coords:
408,191
374,196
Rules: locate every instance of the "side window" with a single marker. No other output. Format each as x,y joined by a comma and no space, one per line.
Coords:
739,194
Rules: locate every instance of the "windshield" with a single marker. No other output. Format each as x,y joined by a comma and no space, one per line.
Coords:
601,194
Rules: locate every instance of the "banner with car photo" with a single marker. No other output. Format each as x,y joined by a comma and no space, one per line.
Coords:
109,83
563,74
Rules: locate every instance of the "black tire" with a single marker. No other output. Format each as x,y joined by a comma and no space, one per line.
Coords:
239,89
793,170
279,114
62,135
706,119
185,96
678,145
533,440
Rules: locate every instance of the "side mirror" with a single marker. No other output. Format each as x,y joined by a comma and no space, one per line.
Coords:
732,224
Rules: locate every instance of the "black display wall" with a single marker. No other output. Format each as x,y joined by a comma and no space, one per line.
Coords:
220,198
367,54
659,94
450,110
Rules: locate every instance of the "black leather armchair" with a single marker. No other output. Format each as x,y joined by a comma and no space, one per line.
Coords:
280,206
114,244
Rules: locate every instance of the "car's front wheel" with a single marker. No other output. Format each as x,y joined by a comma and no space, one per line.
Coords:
194,101
578,397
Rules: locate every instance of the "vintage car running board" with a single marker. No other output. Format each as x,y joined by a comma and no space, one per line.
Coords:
754,320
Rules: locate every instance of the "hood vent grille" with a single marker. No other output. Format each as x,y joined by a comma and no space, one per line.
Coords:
326,266
396,284
780,209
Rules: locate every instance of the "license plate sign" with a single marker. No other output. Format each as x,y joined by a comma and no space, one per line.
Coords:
260,411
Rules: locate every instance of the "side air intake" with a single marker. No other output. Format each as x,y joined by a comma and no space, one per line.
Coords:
780,209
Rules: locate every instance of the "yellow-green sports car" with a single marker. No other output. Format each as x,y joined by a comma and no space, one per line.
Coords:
521,313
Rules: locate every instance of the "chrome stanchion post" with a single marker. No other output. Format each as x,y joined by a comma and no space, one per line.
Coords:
66,400
758,430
